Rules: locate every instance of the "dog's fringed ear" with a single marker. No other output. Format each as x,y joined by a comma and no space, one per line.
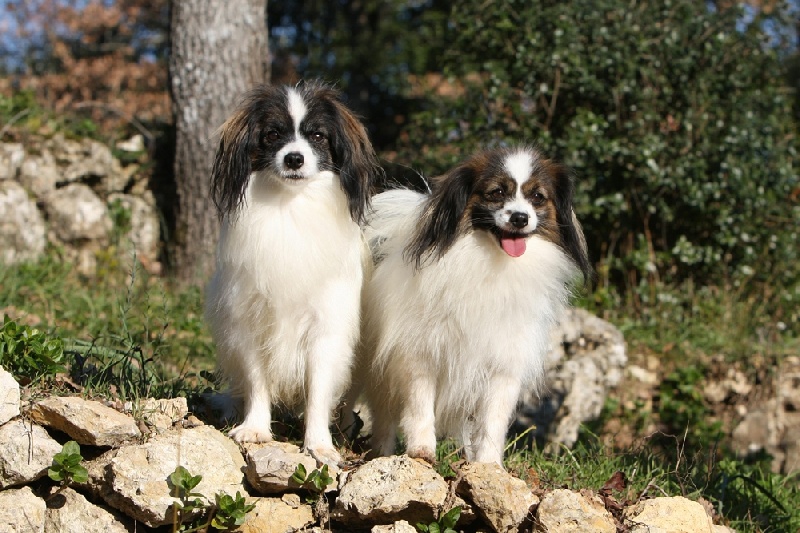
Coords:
239,138
571,232
442,215
355,160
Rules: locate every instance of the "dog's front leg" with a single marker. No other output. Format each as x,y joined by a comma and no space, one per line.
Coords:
492,419
327,370
258,413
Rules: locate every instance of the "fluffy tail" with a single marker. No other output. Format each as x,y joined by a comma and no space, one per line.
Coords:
391,219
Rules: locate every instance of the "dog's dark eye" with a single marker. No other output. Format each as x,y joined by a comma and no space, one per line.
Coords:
538,198
317,137
272,136
495,195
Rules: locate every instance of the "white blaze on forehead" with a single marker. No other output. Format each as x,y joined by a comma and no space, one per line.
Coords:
299,144
297,109
519,166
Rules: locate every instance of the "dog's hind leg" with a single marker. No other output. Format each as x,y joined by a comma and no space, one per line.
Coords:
418,420
350,423
384,436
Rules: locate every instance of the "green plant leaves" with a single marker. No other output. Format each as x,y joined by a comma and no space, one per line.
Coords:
29,353
315,481
66,467
299,475
446,523
231,511
226,513
184,482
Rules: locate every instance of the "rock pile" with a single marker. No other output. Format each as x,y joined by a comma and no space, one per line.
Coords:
67,193
130,456
586,361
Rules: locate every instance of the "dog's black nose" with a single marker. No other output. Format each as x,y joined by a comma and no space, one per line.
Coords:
293,160
518,219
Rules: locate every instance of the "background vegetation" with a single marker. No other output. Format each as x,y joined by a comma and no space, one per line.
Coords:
680,118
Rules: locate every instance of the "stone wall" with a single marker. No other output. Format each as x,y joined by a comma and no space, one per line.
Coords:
66,193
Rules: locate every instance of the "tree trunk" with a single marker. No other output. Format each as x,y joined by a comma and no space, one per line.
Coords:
219,50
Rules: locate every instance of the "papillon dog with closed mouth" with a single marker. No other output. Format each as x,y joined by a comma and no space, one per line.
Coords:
291,181
469,280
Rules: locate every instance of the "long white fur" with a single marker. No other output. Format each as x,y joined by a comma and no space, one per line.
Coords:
284,303
450,346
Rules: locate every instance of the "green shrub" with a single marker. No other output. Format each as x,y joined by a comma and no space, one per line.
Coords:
675,120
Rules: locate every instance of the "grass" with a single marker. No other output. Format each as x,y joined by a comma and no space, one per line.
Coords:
128,335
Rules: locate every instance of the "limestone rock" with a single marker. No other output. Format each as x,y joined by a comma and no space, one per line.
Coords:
587,359
398,527
163,414
88,161
11,157
145,227
76,214
9,396
70,512
39,173
673,515
277,515
134,144
388,489
501,499
86,421
565,511
21,511
22,227
136,478
773,424
26,452
270,466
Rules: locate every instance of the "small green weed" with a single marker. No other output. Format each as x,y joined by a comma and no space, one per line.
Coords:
316,481
231,511
28,353
446,523
228,512
67,468
190,503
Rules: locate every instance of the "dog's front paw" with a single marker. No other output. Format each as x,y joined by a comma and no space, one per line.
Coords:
247,433
325,454
422,452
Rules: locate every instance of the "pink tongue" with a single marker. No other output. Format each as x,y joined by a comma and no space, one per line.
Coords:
513,246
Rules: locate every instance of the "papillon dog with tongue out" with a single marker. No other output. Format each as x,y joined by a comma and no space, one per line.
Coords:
469,280
291,181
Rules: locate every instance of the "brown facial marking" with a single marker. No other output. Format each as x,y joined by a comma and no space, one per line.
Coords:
490,193
540,190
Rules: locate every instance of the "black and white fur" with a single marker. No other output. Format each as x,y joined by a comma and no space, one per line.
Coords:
469,281
291,181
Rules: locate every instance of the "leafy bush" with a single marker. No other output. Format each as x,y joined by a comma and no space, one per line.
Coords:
672,115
